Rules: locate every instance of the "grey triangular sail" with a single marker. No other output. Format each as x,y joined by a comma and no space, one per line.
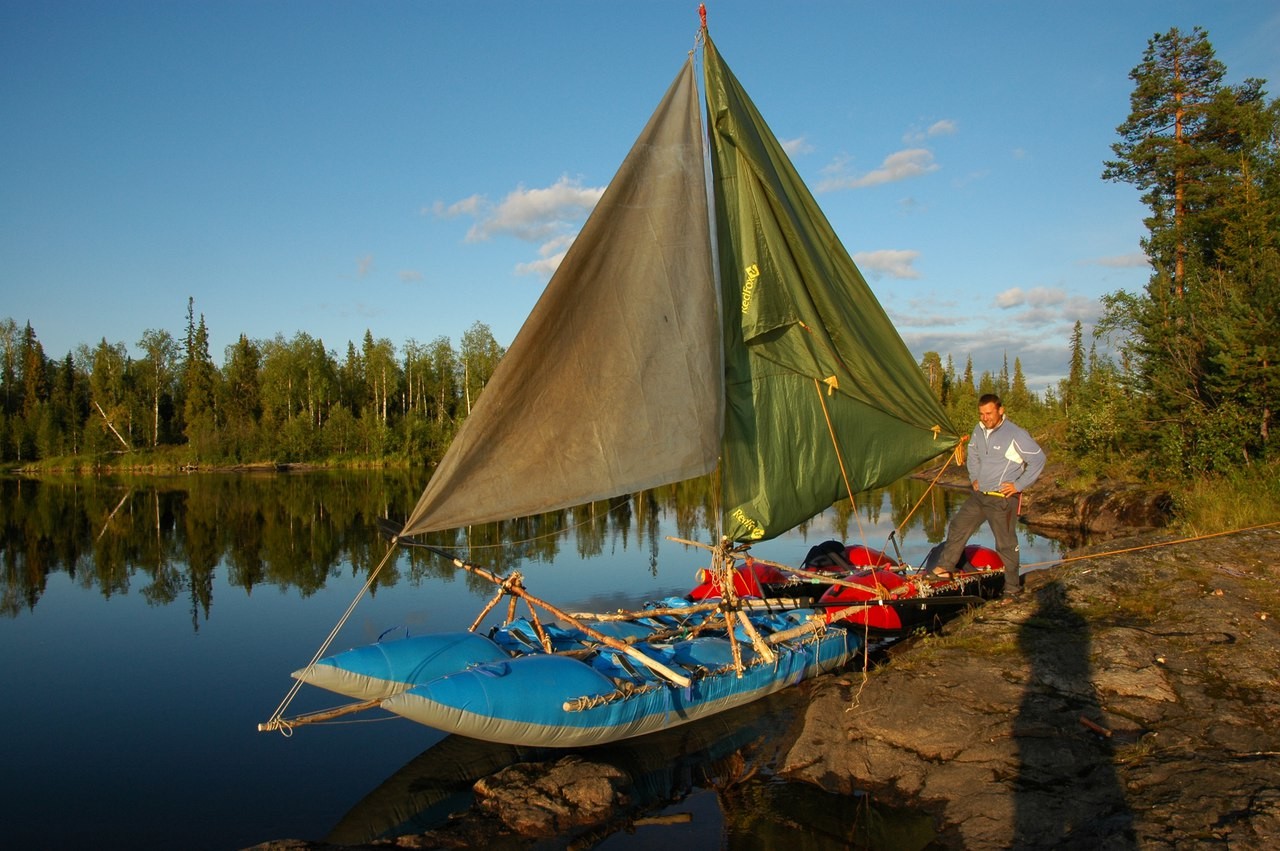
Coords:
824,398
614,384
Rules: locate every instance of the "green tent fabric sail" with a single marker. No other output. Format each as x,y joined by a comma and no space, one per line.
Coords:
658,352
820,387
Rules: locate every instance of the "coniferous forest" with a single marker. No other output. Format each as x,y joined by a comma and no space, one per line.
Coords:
279,400
1177,381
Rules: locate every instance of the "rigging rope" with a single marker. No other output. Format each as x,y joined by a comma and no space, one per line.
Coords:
955,455
832,385
835,444
1190,540
276,721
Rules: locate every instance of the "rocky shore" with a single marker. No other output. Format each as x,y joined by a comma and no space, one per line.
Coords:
1129,700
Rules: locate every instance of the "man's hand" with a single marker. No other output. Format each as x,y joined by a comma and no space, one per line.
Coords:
1008,489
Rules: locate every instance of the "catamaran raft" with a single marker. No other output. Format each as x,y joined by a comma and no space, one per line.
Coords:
707,318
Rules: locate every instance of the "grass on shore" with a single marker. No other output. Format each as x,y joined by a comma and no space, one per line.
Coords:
165,460
1246,498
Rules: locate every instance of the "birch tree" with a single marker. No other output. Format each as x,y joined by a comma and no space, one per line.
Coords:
161,352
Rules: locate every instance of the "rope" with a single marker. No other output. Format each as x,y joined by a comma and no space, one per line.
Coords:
954,456
277,718
831,430
835,444
833,385
1190,540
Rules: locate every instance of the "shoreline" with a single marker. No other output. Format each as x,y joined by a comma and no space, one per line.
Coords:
1130,702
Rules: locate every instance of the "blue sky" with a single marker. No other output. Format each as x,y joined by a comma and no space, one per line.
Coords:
412,168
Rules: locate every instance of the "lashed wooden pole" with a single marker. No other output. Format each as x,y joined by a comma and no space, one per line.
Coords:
608,641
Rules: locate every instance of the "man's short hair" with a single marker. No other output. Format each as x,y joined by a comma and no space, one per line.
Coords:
989,398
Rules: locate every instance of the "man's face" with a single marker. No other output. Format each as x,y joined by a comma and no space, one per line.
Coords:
990,415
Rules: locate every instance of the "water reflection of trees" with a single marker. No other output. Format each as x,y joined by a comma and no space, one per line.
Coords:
166,537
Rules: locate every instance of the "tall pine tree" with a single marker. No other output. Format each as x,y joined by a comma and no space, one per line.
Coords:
1204,155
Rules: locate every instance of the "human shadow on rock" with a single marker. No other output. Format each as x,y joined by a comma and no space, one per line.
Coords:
1068,794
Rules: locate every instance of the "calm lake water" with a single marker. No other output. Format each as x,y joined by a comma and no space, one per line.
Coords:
147,625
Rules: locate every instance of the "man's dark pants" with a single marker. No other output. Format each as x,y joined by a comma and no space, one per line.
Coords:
1001,514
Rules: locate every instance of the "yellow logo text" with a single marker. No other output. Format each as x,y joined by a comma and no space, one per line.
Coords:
754,530
749,288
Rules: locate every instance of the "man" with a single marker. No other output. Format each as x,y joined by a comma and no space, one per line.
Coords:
1003,461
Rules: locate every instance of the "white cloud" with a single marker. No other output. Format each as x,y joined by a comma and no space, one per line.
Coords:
1036,332
536,214
895,263
1041,349
796,147
1062,313
410,276
551,216
558,245
916,318
1034,297
466,207
364,265
543,268
552,252
900,165
943,127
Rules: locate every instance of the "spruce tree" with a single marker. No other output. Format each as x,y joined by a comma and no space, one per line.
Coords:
1075,372
200,385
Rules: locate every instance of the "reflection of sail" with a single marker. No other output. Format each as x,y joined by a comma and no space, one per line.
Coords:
427,789
796,815
730,757
437,782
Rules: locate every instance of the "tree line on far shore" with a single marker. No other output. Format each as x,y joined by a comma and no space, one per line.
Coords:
289,400
1193,388
281,400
